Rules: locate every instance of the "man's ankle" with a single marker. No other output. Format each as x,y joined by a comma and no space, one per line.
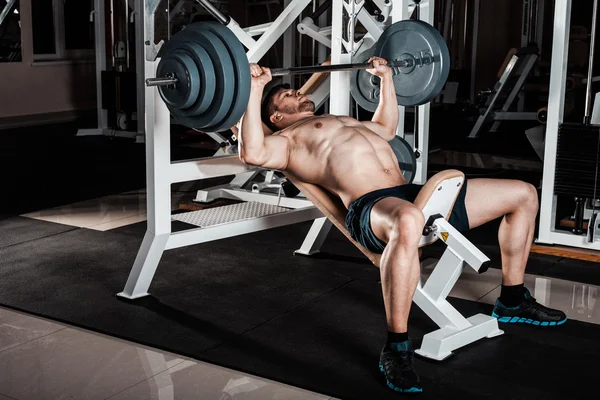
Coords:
512,295
396,337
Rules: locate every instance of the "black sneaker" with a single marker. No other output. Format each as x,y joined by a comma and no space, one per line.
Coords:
528,312
396,363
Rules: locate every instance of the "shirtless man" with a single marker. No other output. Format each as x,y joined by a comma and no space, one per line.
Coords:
353,160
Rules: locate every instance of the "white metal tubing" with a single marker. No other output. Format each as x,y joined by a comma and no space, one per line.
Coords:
139,56
145,265
556,102
441,312
339,98
444,276
266,198
569,239
257,30
426,14
401,12
277,28
459,245
315,237
308,27
374,27
210,167
203,235
243,36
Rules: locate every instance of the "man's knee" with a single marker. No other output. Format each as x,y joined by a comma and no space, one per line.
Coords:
528,197
407,225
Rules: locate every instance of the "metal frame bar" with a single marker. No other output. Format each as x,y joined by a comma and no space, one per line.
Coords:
556,101
289,15
400,12
7,8
161,173
523,74
499,86
101,65
556,105
455,329
427,14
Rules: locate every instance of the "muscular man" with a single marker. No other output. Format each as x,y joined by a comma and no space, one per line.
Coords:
353,160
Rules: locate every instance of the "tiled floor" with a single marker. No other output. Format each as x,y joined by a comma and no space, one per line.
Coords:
102,214
40,359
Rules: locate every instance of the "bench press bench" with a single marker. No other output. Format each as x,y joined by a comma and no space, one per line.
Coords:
436,199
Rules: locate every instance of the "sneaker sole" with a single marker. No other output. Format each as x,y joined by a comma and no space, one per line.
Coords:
397,389
518,320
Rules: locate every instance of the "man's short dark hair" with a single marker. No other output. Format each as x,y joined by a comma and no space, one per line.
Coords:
268,106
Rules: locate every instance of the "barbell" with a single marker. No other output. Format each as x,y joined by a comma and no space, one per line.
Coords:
203,75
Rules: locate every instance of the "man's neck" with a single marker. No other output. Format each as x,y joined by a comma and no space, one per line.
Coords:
298,117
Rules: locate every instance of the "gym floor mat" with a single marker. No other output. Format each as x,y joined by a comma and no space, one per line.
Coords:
246,303
17,230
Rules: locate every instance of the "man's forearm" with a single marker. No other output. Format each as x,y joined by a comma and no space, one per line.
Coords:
251,136
386,113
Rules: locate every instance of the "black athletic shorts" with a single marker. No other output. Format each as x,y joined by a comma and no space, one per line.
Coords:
358,219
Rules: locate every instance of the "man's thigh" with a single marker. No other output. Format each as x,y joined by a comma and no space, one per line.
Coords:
488,199
384,216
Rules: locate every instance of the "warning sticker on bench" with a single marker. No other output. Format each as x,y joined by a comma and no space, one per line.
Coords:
444,236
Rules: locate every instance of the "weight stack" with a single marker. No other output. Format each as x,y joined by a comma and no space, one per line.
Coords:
576,157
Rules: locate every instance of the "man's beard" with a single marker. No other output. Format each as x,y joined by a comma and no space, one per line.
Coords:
306,106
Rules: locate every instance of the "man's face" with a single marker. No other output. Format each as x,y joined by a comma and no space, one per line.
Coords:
289,101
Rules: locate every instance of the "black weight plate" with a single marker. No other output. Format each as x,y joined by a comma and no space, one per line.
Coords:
407,160
242,74
185,92
421,40
364,87
224,81
206,74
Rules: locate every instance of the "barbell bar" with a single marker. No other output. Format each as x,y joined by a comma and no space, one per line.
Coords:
313,69
203,75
